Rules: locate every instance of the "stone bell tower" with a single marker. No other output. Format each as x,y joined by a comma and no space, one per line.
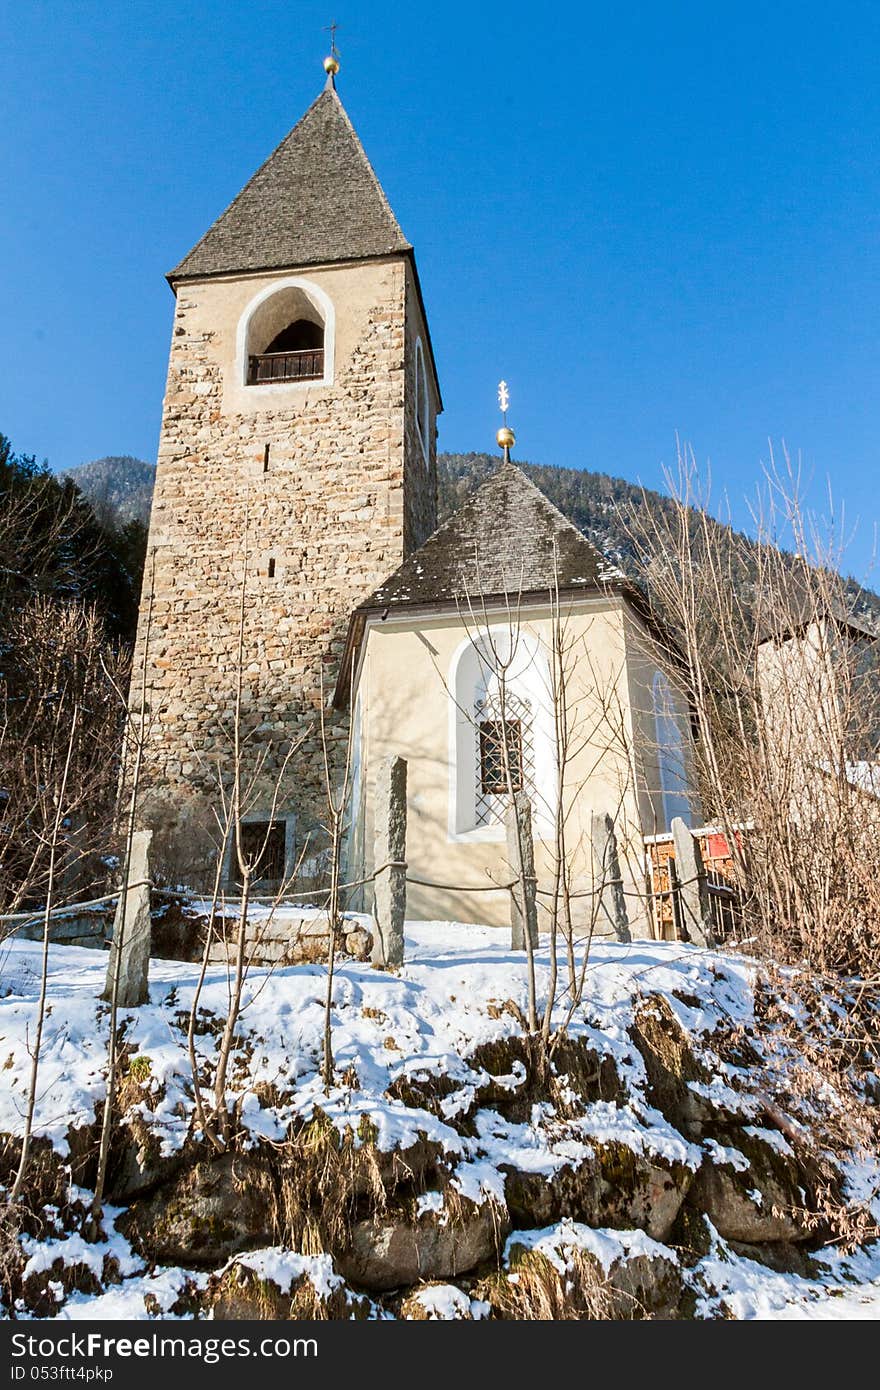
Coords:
296,470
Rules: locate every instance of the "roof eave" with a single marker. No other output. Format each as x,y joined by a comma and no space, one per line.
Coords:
176,277
616,588
787,630
342,689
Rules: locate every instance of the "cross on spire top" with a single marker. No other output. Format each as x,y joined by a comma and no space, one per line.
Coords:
505,436
331,30
331,62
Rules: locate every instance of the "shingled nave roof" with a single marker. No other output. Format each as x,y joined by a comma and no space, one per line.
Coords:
507,537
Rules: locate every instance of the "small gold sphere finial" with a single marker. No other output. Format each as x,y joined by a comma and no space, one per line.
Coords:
331,65
505,436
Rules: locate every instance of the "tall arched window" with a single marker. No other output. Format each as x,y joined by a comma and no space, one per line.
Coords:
286,336
499,735
423,415
670,752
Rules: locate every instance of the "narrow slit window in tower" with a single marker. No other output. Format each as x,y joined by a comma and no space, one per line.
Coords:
272,567
266,459
422,398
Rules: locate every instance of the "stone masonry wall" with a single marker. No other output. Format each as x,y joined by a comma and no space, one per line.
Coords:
330,511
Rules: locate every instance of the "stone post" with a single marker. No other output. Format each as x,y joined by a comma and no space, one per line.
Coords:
607,878
130,947
518,821
693,892
389,848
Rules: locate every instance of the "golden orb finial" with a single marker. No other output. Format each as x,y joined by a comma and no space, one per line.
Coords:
505,437
331,62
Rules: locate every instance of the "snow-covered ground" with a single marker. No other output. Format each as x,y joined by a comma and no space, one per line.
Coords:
448,999
451,996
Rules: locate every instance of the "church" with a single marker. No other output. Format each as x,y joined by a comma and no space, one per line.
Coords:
298,586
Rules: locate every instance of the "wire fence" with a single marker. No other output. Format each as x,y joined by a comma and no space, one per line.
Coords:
653,897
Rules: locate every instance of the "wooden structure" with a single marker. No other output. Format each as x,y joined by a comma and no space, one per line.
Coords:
305,365
724,890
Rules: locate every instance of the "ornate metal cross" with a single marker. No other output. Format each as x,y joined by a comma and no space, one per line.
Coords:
331,30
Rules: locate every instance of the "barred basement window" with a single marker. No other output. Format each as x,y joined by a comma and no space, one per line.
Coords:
515,729
262,843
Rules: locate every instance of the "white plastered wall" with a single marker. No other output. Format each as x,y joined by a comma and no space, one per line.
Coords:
409,708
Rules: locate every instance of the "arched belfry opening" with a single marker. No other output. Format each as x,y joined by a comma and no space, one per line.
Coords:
300,336
287,338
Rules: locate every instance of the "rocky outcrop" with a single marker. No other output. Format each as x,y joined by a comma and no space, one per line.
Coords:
415,1243
614,1187
138,1165
647,1285
439,1302
671,1066
44,1289
511,1075
212,1211
571,1272
757,1196
634,1177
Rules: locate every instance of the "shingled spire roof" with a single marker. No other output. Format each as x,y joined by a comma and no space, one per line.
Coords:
506,538
315,200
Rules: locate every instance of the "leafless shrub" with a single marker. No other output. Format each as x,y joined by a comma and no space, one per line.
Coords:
782,678
13,1220
826,1032
60,798
61,706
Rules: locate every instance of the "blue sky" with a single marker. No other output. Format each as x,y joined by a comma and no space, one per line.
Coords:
648,218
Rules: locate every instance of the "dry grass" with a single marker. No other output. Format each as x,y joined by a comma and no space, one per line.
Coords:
13,1219
319,1183
536,1291
240,1293
825,1031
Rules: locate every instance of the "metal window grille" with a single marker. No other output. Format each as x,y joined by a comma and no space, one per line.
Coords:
491,733
493,774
